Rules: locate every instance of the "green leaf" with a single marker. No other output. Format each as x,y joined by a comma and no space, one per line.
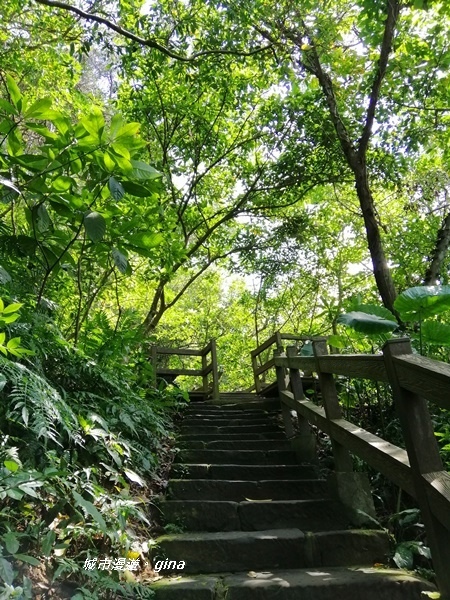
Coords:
144,171
11,465
14,92
6,571
95,226
403,556
419,548
11,542
120,260
13,307
136,190
109,163
26,558
63,183
5,277
374,309
7,107
14,494
146,240
132,476
9,318
47,542
418,303
9,184
366,323
32,162
435,333
337,341
28,490
94,123
41,218
39,109
91,510
13,344
129,130
116,189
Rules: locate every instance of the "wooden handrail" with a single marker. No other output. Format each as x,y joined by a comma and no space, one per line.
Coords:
364,366
179,351
427,377
207,368
277,339
418,470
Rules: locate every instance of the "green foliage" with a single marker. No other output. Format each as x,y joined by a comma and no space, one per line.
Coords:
367,323
418,303
79,443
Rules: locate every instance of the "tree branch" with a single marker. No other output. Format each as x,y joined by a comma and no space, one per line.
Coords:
148,42
393,11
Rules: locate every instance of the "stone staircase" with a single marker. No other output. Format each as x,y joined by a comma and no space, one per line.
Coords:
257,524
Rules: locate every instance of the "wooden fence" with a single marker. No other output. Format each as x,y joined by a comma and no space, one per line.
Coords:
414,380
207,368
256,355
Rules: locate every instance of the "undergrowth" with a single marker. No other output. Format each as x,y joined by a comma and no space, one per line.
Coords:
80,440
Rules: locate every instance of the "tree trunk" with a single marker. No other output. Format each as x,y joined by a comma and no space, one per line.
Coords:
381,269
439,253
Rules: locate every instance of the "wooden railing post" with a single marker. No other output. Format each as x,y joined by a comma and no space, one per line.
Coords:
305,442
352,489
255,375
423,454
283,385
215,371
342,459
278,341
204,374
154,358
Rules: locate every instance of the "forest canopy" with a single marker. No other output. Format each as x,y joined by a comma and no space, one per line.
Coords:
160,141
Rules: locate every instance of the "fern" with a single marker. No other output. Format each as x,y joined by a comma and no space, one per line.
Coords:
36,404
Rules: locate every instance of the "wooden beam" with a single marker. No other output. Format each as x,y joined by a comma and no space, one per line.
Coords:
304,363
180,372
365,366
424,457
424,376
386,458
263,346
342,459
207,369
265,367
215,370
179,351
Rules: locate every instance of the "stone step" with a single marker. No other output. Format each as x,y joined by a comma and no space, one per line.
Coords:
241,415
243,472
207,437
242,457
246,404
238,491
235,445
235,429
221,422
299,584
230,412
271,549
306,515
